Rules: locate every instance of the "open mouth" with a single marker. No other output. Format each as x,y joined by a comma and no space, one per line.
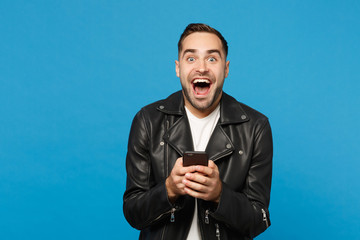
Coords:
201,86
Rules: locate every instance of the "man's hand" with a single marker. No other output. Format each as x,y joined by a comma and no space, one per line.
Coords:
174,183
205,183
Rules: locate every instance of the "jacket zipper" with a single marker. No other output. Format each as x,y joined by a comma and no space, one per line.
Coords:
217,231
172,215
265,218
172,219
207,216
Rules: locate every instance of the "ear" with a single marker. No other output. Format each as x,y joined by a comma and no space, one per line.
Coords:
177,68
227,68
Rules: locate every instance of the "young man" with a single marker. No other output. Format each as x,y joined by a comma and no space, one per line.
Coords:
229,198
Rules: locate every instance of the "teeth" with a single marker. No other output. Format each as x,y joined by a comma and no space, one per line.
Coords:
201,81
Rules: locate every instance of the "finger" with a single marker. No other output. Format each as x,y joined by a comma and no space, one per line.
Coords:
211,170
197,178
212,164
177,166
180,186
185,170
194,193
204,170
180,170
193,185
179,161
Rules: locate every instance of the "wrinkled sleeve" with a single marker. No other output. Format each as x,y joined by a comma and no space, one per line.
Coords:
247,211
145,202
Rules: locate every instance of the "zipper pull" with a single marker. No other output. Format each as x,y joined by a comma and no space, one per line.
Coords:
217,231
207,216
265,218
172,216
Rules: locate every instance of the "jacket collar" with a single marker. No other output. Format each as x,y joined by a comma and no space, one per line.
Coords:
174,105
231,111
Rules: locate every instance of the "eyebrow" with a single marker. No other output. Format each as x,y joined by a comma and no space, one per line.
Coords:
208,51
188,51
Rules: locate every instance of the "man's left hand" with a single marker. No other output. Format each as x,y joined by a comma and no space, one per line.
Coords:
205,183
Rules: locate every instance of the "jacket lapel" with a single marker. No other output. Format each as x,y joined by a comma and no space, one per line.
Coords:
219,144
179,136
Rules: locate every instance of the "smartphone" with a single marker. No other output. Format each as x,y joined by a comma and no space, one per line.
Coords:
195,158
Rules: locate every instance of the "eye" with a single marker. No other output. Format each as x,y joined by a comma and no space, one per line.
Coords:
190,59
212,59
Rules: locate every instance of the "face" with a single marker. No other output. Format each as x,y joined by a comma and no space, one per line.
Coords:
202,69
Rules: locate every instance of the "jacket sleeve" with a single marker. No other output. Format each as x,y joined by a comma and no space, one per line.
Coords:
247,211
145,202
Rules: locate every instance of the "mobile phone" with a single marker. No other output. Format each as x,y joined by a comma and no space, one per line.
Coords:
195,158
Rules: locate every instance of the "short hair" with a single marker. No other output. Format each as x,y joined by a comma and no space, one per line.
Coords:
201,27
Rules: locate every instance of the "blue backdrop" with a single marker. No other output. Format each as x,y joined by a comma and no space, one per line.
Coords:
74,73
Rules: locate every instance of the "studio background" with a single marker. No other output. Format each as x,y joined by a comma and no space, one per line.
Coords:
74,73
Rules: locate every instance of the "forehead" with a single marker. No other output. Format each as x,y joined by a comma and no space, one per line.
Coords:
202,41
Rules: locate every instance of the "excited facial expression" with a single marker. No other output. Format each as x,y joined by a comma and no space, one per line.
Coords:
202,69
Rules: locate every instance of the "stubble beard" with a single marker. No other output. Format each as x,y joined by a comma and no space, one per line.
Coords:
201,106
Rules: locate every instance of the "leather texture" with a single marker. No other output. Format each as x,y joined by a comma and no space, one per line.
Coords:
241,146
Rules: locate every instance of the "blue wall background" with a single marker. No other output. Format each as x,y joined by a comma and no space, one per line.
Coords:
74,73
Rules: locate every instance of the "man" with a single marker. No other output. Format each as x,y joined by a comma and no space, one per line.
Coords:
229,198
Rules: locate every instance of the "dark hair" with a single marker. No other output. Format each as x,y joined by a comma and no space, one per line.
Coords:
200,27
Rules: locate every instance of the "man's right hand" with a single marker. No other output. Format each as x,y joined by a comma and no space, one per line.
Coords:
174,183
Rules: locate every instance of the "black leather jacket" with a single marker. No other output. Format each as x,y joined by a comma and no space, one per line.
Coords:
241,146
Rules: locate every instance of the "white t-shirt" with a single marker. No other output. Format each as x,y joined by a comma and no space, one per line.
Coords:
201,130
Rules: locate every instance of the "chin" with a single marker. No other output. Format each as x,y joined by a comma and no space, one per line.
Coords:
201,106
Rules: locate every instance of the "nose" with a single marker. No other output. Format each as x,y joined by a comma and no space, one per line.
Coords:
202,67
